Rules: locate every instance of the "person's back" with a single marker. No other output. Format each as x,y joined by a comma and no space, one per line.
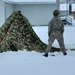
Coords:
56,26
55,31
56,23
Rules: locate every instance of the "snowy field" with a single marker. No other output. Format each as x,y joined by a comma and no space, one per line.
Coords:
33,63
69,36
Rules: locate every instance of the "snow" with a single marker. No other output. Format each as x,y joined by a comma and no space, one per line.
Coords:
69,38
73,20
64,7
73,7
34,63
31,0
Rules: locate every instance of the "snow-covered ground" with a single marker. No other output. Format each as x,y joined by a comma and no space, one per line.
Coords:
34,63
69,36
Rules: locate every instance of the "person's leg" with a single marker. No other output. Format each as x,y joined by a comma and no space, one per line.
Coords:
61,43
48,49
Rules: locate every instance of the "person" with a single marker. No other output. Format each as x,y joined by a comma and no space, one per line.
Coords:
55,31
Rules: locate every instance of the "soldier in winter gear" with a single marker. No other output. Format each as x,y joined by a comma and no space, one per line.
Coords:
55,31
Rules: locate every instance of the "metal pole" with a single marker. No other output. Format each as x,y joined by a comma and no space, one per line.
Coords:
58,4
67,7
5,10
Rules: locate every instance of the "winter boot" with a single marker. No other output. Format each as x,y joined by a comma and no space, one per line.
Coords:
65,53
46,55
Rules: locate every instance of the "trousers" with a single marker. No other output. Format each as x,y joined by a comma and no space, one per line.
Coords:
59,37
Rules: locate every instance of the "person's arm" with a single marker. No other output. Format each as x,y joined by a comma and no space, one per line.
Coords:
49,29
62,27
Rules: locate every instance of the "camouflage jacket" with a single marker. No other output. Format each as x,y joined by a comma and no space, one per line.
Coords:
55,24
